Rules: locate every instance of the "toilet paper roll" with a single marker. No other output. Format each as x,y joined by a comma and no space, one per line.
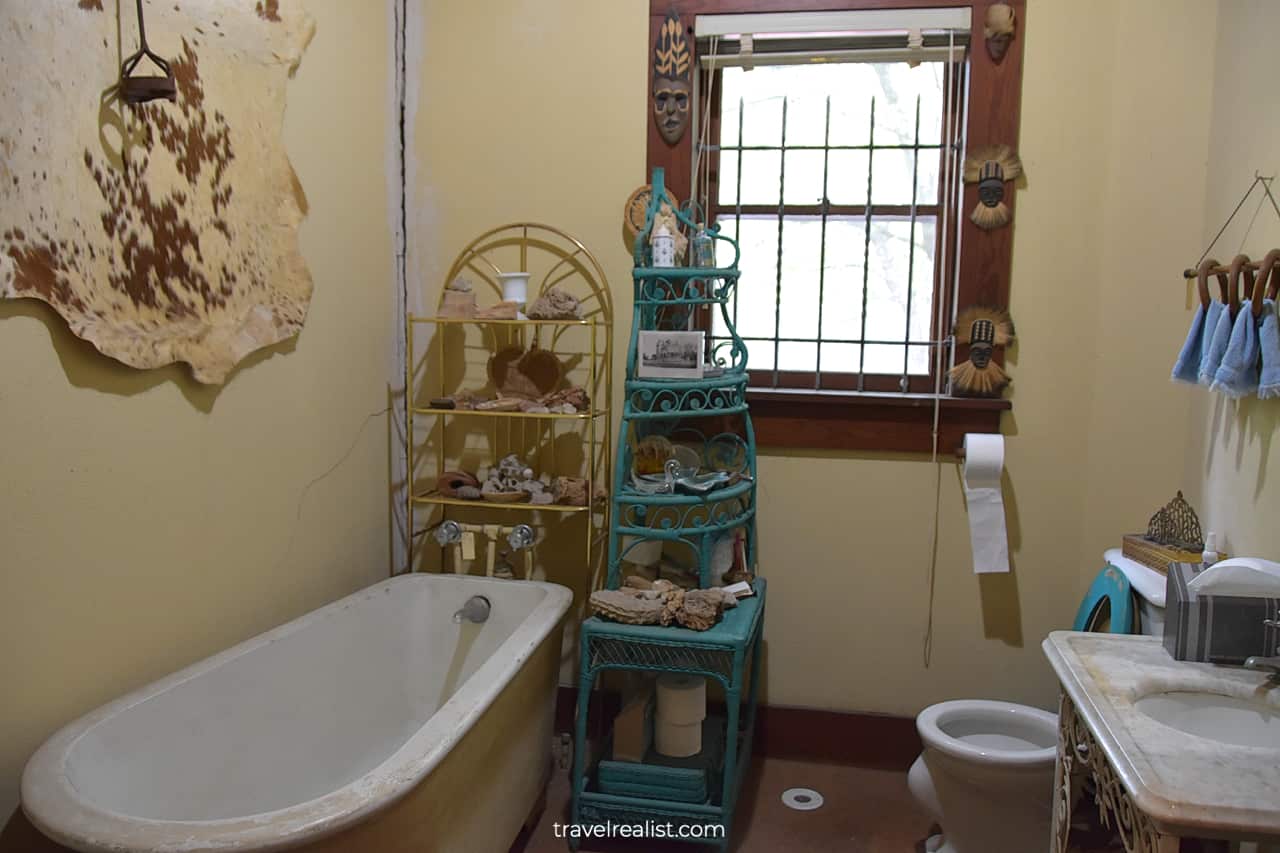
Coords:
988,536
677,741
682,700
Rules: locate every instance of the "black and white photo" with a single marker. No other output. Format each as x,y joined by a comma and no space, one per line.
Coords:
669,355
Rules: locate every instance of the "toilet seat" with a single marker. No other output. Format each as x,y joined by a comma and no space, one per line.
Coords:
993,733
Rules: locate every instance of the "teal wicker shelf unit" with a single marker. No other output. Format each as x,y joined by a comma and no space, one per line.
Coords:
710,415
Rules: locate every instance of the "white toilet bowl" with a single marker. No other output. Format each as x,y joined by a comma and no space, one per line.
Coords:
986,775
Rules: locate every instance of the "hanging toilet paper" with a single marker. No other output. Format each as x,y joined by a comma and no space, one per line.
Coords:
1246,577
988,536
682,700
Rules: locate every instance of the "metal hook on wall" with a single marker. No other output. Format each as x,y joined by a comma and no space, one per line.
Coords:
141,89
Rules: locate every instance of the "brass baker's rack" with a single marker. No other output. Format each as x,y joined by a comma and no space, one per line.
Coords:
554,258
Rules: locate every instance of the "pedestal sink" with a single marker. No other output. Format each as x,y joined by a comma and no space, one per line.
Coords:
1226,719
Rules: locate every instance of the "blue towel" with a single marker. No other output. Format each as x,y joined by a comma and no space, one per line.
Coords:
1187,367
1269,344
1217,330
1237,376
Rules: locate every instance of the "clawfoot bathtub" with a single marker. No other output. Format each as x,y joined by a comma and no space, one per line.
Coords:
376,723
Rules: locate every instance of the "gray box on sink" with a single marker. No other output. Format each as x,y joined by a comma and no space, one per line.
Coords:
1215,628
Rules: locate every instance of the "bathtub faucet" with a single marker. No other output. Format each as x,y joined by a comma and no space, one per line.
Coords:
475,610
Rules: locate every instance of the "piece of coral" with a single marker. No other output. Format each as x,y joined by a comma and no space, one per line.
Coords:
555,304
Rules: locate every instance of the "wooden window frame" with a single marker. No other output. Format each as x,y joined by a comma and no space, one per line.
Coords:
879,420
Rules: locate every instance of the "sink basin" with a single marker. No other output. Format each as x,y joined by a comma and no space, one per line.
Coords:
1226,719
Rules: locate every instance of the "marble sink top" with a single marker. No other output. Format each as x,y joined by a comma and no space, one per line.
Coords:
1183,782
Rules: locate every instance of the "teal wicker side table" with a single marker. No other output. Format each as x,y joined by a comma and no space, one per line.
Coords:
728,653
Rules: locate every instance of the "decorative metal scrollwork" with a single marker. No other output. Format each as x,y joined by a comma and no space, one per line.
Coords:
687,401
1080,757
700,517
696,291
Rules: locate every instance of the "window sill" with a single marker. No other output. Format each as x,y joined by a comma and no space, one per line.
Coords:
842,420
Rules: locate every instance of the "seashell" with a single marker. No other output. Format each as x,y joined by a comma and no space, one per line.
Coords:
620,607
459,284
450,482
468,493
504,497
575,396
501,404
637,582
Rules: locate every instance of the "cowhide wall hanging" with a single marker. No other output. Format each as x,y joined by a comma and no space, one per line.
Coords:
163,232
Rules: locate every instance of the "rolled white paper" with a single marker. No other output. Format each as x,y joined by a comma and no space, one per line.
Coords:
682,699
988,535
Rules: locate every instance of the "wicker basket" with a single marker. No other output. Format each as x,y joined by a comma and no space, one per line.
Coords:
1154,555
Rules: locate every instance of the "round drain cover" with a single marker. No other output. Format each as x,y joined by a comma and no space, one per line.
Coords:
801,799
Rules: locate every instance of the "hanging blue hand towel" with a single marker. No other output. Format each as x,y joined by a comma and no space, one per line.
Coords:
1237,376
1269,344
1217,330
1187,367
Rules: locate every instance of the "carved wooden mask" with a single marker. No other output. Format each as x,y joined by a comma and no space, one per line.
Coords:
672,76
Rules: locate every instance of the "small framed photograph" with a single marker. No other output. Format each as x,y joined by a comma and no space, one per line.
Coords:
669,355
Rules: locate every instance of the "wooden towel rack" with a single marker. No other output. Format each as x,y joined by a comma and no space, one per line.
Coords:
1237,281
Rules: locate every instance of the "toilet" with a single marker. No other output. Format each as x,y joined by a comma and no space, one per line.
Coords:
986,775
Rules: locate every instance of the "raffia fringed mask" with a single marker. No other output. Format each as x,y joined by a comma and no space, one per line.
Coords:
983,329
999,29
989,168
672,72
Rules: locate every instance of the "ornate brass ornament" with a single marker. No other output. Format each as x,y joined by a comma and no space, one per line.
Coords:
1176,524
672,76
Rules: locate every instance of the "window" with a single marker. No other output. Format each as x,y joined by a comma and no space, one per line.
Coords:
829,178
830,152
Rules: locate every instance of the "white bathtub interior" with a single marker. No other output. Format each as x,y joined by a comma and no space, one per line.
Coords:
286,724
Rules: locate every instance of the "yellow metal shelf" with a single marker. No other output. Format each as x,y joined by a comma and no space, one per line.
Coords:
473,321
551,259
546,416
437,499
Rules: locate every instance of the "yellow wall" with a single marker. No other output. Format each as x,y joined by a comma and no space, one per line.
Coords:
1231,442
147,521
1114,140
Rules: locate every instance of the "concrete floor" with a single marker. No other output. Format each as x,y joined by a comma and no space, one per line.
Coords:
865,811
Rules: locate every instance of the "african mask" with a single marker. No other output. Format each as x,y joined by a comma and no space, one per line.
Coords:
983,329
989,168
991,184
1001,22
982,339
672,86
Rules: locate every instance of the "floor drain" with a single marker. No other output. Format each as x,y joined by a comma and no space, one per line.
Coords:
801,799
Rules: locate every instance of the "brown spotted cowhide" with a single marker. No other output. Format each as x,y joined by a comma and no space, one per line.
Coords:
165,232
